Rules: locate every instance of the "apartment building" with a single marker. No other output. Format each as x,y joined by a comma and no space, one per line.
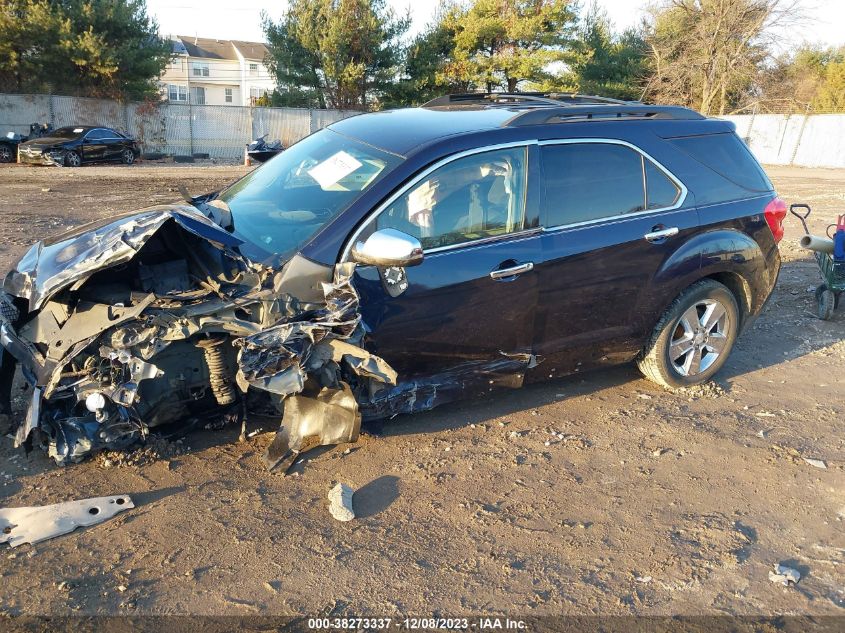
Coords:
205,71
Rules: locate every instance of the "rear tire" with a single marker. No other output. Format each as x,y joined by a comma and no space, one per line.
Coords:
7,154
826,302
693,338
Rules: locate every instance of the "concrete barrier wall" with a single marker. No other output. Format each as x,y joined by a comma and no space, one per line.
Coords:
816,140
171,128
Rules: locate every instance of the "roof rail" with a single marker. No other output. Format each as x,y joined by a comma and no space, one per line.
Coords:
575,113
491,97
575,97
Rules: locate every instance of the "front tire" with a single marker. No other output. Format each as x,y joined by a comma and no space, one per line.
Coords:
6,153
127,157
72,159
693,338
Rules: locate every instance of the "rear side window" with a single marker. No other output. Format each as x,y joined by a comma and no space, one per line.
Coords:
728,156
591,181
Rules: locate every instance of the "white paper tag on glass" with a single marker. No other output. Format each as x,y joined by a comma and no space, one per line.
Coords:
334,169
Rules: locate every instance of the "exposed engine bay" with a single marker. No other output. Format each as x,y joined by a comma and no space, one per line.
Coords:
154,318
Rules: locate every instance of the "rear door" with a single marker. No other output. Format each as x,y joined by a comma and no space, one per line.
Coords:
114,145
467,314
612,219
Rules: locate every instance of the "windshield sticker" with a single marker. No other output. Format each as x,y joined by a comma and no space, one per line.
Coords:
333,169
78,130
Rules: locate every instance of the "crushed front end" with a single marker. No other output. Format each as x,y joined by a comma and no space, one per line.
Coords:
154,320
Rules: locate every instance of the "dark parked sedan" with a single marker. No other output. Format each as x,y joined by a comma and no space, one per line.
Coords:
73,146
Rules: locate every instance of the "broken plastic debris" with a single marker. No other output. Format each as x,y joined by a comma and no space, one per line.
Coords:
815,462
784,575
340,502
39,523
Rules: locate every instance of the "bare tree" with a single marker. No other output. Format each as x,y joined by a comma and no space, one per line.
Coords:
706,53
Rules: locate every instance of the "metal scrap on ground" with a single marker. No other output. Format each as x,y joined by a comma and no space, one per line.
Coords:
39,523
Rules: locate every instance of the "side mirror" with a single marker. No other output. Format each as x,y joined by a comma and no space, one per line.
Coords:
388,248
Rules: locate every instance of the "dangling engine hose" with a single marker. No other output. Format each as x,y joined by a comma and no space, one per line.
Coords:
222,385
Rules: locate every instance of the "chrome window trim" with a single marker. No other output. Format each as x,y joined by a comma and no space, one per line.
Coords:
623,216
350,241
481,242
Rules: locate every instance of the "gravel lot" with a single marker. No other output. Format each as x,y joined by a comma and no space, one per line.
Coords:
594,494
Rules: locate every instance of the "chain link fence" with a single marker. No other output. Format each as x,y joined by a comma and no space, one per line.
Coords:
169,128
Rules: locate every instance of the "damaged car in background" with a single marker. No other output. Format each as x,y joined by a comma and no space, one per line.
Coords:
392,262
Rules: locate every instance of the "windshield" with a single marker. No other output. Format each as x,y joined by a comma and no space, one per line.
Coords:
278,207
67,132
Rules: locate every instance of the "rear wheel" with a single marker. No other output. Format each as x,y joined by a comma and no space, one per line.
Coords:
72,159
6,153
693,338
826,302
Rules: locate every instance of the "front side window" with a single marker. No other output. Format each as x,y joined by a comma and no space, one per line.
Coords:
470,198
585,182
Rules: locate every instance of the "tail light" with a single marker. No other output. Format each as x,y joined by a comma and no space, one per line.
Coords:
775,212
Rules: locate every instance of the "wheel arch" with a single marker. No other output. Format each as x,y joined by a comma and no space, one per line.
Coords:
740,289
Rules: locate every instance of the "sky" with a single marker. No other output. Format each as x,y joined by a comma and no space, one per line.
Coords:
241,19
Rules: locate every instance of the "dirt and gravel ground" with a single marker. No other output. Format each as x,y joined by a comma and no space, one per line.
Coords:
595,494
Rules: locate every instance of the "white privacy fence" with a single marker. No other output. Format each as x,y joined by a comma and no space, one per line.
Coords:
169,128
815,140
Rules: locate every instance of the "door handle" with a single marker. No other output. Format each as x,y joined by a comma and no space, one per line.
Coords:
661,234
503,273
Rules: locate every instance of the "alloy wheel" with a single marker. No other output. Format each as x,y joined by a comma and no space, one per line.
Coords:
73,160
128,156
699,338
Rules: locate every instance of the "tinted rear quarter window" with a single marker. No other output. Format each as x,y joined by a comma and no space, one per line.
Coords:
729,157
662,192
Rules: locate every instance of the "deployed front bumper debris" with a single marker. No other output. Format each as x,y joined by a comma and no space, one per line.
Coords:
39,523
152,319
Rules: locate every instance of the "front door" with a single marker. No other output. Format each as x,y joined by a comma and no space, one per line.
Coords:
465,319
612,219
93,145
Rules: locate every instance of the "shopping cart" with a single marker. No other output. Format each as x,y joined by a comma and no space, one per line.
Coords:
832,271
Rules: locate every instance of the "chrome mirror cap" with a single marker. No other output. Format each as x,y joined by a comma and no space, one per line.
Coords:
388,247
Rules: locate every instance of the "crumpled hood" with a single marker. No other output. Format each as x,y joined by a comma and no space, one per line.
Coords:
52,265
45,141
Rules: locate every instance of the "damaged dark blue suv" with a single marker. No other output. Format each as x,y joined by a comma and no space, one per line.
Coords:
394,261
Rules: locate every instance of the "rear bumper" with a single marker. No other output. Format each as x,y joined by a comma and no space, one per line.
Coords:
763,288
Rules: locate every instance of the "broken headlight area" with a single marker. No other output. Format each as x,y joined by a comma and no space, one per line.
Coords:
153,320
